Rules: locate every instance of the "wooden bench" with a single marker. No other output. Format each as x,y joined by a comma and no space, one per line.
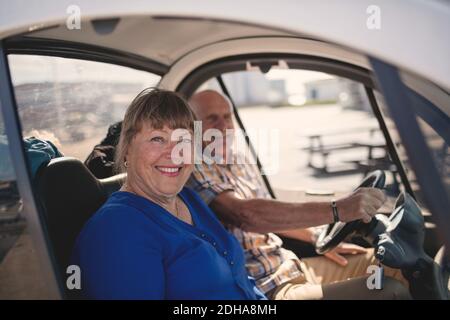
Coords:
318,147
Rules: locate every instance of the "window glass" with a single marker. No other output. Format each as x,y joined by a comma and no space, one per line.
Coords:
21,276
73,102
325,138
434,122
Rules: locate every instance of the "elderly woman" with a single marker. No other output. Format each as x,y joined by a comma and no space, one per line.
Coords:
156,239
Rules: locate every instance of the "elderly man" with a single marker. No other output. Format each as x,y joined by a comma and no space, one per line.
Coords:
239,197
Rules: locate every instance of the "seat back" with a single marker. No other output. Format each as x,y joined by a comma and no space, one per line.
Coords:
69,195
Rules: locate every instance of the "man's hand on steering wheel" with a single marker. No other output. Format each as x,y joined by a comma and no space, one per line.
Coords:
352,211
361,204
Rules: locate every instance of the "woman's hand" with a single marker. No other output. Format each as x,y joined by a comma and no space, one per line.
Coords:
336,254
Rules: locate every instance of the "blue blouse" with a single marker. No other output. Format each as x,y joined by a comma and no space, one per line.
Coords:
133,248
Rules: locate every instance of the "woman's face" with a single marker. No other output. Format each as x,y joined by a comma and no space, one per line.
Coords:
150,167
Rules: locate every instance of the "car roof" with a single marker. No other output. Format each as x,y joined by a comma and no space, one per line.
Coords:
412,36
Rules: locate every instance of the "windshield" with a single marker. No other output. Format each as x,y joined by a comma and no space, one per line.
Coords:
432,111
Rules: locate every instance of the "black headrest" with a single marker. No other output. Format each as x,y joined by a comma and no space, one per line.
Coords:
69,195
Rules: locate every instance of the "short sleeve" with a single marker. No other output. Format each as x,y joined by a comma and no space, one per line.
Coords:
207,183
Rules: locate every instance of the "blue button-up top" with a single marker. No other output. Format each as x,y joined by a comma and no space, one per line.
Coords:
133,248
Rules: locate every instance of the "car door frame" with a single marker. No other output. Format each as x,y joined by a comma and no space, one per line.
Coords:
18,158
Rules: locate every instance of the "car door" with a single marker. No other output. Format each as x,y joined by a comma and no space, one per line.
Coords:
69,100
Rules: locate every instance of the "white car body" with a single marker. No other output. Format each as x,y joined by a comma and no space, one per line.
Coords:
412,34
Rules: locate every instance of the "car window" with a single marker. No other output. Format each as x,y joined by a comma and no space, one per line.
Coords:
21,276
434,121
325,135
72,102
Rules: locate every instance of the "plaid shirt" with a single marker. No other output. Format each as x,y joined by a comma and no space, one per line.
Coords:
266,260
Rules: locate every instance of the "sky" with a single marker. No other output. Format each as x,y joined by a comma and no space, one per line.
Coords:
32,69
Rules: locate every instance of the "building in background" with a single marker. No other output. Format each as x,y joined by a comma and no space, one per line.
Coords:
254,88
292,87
324,90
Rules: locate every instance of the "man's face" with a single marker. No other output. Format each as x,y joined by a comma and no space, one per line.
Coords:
215,113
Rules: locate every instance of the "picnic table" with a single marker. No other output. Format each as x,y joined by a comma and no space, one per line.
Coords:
319,149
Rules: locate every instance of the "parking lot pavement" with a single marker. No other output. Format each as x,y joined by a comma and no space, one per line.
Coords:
294,125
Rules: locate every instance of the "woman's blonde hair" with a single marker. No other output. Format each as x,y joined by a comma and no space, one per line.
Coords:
158,108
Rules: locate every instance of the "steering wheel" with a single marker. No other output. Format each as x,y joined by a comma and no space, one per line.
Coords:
335,233
401,246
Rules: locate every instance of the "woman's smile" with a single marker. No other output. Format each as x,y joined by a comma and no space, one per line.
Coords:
169,171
